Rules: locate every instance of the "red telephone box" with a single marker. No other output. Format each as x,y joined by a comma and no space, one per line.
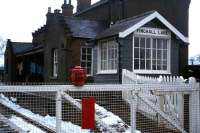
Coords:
78,76
88,113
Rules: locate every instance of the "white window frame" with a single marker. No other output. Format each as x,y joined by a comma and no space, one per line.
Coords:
168,71
91,69
55,63
108,71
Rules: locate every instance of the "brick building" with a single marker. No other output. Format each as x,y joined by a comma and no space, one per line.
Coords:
144,36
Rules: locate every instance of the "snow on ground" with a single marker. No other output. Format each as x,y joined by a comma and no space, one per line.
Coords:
48,121
111,120
27,127
106,119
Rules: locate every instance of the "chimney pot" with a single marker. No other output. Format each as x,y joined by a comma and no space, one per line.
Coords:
49,9
56,11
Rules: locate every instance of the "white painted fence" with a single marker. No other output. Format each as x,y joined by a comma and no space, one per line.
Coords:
170,101
130,77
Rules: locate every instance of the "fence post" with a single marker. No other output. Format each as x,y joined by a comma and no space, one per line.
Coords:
180,107
58,112
161,102
194,108
133,107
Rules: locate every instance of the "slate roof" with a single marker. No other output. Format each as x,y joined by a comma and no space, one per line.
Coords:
122,25
33,49
19,47
83,28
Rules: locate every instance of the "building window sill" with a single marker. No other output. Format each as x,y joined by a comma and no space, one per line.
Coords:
151,72
107,72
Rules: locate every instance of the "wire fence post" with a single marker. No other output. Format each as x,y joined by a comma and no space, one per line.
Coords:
58,112
133,107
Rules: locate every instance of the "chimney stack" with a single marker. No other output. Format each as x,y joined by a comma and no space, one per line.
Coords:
67,9
56,11
49,9
83,4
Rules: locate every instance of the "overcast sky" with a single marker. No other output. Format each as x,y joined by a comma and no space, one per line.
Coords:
19,18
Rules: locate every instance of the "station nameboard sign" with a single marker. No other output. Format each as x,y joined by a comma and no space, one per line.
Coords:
153,32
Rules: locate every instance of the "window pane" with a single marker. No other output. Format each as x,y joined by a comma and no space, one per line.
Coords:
136,53
103,65
108,55
142,64
164,44
164,67
142,53
136,64
89,51
154,43
86,59
136,41
154,65
148,64
83,50
142,42
164,62
89,57
148,53
83,57
159,43
109,65
158,67
148,43
159,54
165,54
158,62
154,54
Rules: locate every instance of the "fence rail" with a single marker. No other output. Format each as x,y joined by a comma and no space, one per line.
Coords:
128,107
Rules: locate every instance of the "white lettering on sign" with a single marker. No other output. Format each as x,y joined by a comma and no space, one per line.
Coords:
153,32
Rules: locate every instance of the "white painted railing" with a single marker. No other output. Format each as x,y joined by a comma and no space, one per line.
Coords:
131,77
171,103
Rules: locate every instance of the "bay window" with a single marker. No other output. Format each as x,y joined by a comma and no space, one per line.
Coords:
151,54
108,57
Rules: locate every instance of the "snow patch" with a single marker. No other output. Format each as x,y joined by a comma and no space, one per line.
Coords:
47,120
108,119
29,128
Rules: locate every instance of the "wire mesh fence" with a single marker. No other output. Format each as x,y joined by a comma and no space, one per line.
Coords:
37,109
